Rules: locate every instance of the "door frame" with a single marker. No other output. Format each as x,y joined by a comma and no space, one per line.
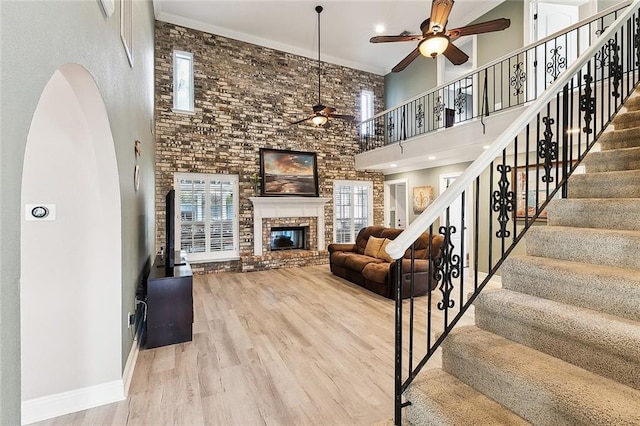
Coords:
467,214
387,200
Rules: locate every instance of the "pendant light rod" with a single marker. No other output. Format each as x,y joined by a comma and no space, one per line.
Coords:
318,9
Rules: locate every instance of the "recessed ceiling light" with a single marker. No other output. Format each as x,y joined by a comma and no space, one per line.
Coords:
431,157
485,147
380,29
393,165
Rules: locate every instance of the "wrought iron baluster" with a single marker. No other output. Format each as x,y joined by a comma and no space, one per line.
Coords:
547,149
588,103
556,63
615,67
503,201
447,266
419,115
460,101
438,108
518,79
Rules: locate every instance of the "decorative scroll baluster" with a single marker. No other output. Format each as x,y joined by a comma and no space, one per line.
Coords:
547,149
460,101
587,104
446,267
557,63
391,126
518,79
419,116
504,201
615,67
438,108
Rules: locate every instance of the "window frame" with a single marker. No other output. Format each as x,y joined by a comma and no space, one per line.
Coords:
209,255
183,55
352,184
366,111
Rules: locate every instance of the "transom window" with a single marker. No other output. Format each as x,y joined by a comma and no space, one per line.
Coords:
352,209
182,81
208,226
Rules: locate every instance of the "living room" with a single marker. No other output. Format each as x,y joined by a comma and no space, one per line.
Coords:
149,142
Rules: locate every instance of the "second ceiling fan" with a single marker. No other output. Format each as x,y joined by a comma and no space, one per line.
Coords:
321,113
435,39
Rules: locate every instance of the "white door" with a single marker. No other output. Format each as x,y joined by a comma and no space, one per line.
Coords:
396,214
455,219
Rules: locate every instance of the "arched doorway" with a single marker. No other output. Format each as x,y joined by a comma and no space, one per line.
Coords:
71,259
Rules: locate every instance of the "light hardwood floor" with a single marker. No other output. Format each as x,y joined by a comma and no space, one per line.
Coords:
281,347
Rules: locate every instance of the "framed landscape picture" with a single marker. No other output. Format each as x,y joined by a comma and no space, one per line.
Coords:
288,173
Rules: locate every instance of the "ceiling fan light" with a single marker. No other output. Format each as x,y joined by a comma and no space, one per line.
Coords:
433,46
319,119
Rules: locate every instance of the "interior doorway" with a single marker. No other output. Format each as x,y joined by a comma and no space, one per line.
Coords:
71,261
459,238
396,213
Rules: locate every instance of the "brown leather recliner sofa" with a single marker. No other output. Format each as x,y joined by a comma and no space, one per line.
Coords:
374,270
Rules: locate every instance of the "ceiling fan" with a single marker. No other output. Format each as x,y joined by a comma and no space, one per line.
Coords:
322,114
436,39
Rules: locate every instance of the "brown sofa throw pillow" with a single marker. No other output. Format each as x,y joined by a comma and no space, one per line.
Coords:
382,253
373,246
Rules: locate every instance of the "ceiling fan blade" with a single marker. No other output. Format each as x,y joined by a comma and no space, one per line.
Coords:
406,61
301,121
483,27
455,55
327,110
343,117
394,38
440,10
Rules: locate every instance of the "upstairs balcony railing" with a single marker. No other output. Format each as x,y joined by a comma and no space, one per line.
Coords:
510,81
491,206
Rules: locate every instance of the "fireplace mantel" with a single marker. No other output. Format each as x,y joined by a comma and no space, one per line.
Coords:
274,207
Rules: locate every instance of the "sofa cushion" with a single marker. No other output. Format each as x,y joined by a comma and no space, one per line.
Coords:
376,272
364,234
339,257
382,253
373,246
357,262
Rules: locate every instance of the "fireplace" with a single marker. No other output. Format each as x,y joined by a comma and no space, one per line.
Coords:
287,238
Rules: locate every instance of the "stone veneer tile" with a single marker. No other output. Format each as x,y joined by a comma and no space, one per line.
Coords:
245,97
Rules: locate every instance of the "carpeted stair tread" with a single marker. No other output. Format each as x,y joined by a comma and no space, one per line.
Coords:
607,289
616,213
633,103
613,160
602,343
626,120
596,246
626,138
438,398
617,184
538,387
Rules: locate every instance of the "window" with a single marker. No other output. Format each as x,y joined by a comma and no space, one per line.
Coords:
366,107
352,209
207,227
182,81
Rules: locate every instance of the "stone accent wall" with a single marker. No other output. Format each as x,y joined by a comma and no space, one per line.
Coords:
245,97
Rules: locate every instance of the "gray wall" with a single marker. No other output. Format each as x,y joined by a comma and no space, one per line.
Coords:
36,39
421,75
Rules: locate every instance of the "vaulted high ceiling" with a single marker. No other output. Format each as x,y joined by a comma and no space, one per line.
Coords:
291,26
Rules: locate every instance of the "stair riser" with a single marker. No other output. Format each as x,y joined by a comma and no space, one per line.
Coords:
522,397
562,343
612,249
629,138
605,185
592,213
627,120
614,160
610,294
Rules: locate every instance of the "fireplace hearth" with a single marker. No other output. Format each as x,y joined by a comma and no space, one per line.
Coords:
287,238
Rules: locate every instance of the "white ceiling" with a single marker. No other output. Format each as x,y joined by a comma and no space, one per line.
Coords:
291,26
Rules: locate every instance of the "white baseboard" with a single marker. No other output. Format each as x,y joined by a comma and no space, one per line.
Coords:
496,279
38,409
130,366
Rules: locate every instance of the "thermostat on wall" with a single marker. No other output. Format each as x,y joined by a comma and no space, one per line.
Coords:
40,212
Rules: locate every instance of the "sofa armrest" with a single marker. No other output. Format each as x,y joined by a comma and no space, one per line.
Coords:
423,280
420,265
341,247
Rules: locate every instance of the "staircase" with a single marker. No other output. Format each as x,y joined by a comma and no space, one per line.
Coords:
559,344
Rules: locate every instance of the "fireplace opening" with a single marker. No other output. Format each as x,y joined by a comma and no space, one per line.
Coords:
287,238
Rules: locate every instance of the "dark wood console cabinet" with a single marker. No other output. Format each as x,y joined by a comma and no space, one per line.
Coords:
170,305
